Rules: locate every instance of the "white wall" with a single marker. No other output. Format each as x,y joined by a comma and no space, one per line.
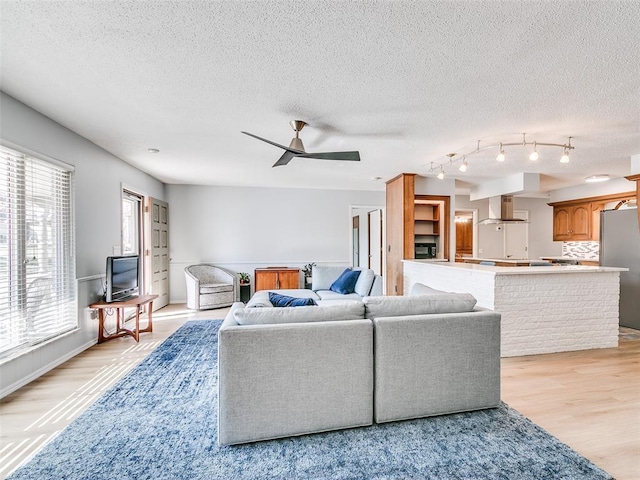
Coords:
242,228
98,179
616,185
491,241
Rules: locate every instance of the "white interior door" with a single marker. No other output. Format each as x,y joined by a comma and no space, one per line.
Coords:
516,237
375,241
159,252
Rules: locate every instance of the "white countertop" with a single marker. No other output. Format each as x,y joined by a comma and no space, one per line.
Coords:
571,258
563,269
429,260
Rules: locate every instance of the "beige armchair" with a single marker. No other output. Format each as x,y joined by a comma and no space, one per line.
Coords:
210,287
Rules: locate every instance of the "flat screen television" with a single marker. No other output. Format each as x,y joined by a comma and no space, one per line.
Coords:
123,277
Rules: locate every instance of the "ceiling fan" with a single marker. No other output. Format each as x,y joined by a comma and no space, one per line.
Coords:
296,148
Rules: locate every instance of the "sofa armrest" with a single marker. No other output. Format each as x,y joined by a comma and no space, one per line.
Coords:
435,364
193,290
292,379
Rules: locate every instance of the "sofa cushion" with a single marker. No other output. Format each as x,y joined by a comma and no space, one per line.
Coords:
365,281
376,307
421,289
346,282
272,315
330,295
278,300
323,276
215,288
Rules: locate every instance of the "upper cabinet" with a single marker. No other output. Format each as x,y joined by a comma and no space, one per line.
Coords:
579,220
572,222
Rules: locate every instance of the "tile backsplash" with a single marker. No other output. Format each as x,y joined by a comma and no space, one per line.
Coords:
583,250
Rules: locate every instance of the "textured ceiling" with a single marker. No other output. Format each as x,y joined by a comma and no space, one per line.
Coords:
404,83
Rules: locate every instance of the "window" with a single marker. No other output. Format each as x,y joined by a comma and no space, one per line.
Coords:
131,223
37,251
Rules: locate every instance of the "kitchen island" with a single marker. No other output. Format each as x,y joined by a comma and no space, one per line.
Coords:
544,309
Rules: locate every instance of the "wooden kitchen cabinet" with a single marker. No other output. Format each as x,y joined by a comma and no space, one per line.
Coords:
579,220
572,222
277,278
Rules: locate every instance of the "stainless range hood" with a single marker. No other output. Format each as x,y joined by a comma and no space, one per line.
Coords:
501,211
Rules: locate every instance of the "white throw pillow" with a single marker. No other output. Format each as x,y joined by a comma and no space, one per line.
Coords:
365,281
323,276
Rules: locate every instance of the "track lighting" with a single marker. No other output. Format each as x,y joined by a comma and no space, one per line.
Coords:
533,156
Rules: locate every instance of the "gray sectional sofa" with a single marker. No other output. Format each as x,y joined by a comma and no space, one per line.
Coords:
298,370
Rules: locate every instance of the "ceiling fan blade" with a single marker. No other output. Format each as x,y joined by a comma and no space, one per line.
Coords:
284,159
344,156
289,149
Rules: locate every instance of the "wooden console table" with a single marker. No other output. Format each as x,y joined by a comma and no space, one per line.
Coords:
136,303
276,278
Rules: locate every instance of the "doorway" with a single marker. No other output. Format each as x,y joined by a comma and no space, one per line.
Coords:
366,248
466,222
355,241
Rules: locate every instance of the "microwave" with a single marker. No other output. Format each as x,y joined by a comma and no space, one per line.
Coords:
425,250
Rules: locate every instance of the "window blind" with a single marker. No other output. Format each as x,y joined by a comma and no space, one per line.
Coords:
37,251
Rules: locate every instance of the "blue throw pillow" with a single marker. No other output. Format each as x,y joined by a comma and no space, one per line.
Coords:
346,282
285,301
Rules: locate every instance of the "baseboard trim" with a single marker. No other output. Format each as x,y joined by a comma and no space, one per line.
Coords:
41,371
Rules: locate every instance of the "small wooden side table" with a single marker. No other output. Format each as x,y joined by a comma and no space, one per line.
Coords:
136,302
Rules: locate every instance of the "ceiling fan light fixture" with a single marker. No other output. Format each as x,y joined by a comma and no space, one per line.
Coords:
296,143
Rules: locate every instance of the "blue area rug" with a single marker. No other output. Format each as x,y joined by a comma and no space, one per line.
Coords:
159,422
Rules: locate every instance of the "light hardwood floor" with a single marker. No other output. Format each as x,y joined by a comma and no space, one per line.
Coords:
590,400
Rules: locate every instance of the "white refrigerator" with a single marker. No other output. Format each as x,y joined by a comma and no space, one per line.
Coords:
620,247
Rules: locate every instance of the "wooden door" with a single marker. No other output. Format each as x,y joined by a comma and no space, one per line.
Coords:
561,223
266,279
289,279
159,252
581,222
464,235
